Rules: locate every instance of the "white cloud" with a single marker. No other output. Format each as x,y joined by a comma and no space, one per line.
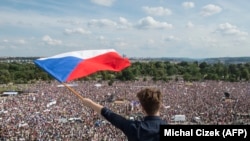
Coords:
5,41
189,25
101,23
120,44
103,2
48,40
229,29
76,31
101,38
188,4
157,11
151,23
123,23
151,41
14,42
170,38
105,42
210,9
21,41
69,21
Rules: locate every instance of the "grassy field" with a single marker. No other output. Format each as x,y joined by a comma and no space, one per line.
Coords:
11,87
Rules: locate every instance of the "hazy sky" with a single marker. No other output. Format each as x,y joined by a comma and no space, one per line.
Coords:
136,28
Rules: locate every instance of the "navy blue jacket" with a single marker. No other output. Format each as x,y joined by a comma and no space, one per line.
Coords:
147,129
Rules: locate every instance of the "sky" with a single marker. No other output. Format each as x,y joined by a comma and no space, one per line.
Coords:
135,28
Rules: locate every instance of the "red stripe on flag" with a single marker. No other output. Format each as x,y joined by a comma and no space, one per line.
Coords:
110,61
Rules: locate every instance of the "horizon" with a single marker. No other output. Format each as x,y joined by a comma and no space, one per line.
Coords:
143,28
1,57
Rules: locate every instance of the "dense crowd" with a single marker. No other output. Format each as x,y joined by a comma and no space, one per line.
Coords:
51,112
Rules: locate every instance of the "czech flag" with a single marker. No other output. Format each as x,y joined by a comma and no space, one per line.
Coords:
72,65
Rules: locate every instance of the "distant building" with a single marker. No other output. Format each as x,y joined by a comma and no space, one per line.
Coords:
17,59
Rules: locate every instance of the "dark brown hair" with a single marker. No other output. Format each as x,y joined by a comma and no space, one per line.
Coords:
150,99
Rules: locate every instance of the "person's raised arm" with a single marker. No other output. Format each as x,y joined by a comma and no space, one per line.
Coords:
93,105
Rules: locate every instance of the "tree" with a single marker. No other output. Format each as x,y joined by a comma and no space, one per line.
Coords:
126,75
245,73
4,76
171,70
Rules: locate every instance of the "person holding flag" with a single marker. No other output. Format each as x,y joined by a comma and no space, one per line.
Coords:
69,66
147,129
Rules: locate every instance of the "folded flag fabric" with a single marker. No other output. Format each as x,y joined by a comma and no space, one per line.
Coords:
72,65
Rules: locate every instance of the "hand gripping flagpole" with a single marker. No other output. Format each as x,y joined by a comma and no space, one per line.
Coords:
74,92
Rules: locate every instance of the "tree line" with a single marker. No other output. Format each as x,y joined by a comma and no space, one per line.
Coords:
23,73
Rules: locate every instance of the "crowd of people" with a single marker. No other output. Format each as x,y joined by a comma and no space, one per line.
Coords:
52,112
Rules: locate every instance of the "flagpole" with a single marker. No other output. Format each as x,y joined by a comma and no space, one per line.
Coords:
74,92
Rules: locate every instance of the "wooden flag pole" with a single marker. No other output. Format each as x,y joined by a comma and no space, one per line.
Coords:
74,92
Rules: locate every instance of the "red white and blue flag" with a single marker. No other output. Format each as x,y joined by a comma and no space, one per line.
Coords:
72,65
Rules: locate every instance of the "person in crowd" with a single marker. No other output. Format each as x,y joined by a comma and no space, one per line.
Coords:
144,130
